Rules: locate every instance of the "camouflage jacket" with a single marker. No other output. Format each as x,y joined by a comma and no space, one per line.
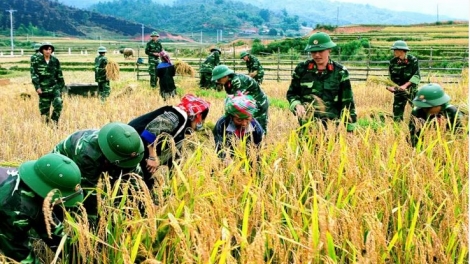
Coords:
225,135
47,76
331,85
100,68
83,148
247,85
452,116
402,71
253,65
151,47
211,61
21,212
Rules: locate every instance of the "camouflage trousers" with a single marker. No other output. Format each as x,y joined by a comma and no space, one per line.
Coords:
400,99
104,90
153,73
53,99
205,81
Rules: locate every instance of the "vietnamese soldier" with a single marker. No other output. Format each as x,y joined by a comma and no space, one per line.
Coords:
255,70
153,49
36,52
116,148
100,74
234,82
432,104
48,81
205,71
22,194
404,71
321,84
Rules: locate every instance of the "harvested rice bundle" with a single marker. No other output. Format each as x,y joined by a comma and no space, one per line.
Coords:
184,69
112,71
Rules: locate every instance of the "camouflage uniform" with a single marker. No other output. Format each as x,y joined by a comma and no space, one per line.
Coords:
247,85
83,148
453,118
100,77
402,71
48,77
21,212
254,65
205,71
331,85
153,60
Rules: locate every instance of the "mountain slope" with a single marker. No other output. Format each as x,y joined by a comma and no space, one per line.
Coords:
55,17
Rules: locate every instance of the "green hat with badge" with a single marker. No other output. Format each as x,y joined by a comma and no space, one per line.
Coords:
319,41
430,95
101,49
53,171
220,71
121,144
400,45
155,34
45,45
243,54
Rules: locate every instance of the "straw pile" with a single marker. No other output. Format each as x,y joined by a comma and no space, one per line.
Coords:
112,71
184,69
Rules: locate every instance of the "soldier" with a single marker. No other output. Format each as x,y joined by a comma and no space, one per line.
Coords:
404,71
116,148
173,121
255,70
153,49
165,72
432,104
323,84
48,82
205,71
22,194
37,53
233,82
236,124
100,74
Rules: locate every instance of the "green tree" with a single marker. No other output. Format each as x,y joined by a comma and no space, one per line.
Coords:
264,14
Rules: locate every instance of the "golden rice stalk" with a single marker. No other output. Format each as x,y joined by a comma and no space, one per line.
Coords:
47,207
184,69
112,71
380,80
317,105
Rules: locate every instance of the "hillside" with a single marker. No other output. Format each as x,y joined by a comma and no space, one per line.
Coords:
36,16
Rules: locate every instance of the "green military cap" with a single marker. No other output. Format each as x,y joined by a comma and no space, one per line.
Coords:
155,34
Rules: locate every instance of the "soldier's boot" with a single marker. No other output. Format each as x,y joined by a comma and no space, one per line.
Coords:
153,81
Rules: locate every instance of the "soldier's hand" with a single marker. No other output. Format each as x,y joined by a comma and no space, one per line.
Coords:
391,89
152,165
299,111
39,91
402,88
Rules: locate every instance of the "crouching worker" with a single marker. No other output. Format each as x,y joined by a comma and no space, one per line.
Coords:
53,178
431,104
237,125
163,127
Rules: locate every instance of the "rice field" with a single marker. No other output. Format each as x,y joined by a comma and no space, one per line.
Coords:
324,197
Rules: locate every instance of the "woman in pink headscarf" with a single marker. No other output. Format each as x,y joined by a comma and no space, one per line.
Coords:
165,72
237,124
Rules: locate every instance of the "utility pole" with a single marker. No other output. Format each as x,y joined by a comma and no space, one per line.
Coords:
143,34
11,29
437,12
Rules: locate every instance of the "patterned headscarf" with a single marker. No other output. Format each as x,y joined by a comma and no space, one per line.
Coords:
240,105
165,56
193,105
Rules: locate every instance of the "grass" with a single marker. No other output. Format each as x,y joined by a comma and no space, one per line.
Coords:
330,197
